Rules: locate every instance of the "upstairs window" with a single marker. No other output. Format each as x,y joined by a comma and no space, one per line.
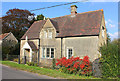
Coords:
50,34
45,34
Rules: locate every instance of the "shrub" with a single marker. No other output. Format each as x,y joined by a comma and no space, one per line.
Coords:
15,60
32,64
53,63
109,60
75,65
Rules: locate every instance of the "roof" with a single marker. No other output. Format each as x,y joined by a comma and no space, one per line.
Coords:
87,23
32,45
2,36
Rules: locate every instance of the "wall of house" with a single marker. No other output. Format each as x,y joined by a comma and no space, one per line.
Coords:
49,43
102,40
81,46
12,38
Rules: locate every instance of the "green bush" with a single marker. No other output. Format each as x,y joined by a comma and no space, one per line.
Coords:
109,60
53,64
15,60
32,64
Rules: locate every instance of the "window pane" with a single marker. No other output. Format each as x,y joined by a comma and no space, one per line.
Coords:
50,34
69,53
45,34
43,52
52,52
48,52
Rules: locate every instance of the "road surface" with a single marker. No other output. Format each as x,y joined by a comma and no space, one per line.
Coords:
10,73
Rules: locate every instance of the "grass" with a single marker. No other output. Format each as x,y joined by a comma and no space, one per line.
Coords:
45,71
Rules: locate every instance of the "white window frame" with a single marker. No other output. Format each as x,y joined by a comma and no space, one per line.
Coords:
50,53
50,33
43,51
68,52
45,34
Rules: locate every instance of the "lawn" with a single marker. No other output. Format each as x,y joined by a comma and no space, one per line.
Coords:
47,71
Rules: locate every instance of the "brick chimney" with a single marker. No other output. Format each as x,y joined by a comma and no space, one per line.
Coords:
73,10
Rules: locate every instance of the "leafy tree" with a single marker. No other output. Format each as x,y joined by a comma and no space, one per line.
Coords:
16,21
40,17
7,47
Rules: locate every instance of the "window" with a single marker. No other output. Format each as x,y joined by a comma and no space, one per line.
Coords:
43,52
45,34
48,52
50,34
52,52
103,31
69,52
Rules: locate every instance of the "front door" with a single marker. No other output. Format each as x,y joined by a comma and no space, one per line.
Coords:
34,56
27,54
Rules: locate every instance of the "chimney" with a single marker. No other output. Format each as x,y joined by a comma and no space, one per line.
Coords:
73,10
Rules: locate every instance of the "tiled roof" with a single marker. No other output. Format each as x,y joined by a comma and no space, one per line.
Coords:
87,23
2,36
32,45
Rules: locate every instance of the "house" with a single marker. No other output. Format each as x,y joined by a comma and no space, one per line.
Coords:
77,34
7,38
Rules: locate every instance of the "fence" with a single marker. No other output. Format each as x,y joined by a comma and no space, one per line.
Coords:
10,57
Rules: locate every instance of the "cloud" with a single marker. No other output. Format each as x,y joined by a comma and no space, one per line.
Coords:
109,20
114,35
111,25
106,22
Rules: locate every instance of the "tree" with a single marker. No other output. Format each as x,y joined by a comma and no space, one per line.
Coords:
16,21
40,17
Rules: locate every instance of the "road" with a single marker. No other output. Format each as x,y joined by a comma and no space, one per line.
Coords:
10,73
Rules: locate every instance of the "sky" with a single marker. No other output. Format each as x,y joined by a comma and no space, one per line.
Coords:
110,8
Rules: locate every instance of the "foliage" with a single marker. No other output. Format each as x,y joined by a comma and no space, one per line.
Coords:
109,59
15,50
32,64
53,64
108,39
40,17
75,65
15,60
7,47
16,21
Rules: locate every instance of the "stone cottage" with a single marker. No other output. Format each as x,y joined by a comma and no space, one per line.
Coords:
77,34
7,38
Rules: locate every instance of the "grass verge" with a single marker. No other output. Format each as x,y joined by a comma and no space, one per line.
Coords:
45,71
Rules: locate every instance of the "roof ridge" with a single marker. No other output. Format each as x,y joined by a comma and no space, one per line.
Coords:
78,13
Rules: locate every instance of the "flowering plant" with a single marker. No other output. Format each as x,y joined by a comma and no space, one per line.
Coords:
75,65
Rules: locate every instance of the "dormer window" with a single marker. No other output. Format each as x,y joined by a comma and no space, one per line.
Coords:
103,31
